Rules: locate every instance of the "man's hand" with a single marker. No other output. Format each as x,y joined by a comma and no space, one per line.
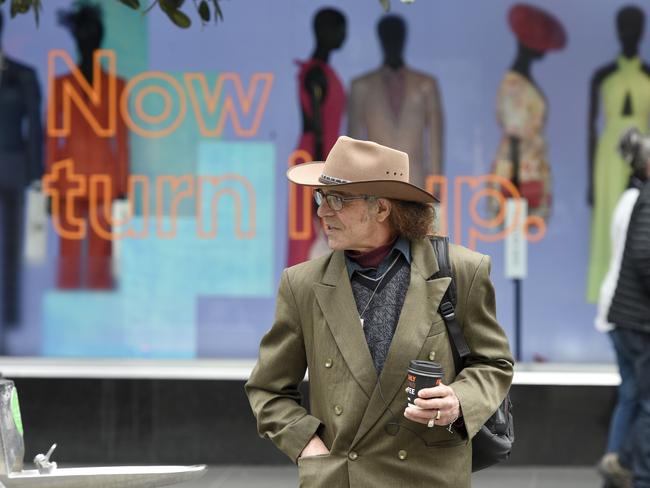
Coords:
431,400
315,447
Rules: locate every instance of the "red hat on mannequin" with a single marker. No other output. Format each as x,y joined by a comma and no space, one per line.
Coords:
536,28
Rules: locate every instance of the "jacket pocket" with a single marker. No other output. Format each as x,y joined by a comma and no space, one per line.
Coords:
316,471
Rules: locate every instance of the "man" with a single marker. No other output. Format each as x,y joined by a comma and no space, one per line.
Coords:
357,317
630,312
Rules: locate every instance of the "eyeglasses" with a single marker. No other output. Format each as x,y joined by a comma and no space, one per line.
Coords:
335,202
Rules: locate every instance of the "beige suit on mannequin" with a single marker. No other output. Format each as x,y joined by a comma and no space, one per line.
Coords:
417,130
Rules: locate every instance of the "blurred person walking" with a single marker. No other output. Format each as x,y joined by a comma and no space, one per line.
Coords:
624,411
630,313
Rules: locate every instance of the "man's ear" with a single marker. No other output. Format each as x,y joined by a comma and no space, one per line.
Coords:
384,207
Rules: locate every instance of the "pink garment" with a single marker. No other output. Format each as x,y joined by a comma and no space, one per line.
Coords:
331,109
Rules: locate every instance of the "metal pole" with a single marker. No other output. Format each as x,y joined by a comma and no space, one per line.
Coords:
517,319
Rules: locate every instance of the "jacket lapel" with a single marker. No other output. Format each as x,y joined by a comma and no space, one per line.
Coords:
335,298
417,316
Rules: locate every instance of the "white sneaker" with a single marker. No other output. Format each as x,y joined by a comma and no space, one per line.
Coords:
615,475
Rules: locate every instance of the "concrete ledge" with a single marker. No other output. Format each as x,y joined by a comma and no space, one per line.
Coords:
239,369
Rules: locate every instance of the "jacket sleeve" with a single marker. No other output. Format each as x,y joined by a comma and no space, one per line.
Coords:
122,133
484,381
356,118
272,388
436,131
638,237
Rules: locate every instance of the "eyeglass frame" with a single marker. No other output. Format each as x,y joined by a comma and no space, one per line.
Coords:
320,197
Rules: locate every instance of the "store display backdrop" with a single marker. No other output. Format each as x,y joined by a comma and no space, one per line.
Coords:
467,46
153,312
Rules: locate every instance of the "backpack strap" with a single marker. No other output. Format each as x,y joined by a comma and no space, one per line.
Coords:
448,303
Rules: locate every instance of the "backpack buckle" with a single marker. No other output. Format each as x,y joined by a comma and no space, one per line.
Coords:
447,311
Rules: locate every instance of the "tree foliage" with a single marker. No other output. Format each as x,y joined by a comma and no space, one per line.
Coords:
173,9
206,10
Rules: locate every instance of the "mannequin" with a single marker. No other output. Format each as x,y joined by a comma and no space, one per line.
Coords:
399,107
521,110
91,154
21,153
322,103
321,84
623,87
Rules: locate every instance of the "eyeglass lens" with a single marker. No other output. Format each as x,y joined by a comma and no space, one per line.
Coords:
335,202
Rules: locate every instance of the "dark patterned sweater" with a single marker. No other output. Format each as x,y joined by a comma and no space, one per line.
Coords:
383,309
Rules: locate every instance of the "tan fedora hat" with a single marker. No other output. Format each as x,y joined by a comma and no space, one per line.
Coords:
362,167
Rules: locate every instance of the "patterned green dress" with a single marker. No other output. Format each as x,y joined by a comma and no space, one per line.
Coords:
611,173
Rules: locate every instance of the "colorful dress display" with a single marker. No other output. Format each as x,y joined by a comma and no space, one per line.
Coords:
331,109
628,85
521,112
92,154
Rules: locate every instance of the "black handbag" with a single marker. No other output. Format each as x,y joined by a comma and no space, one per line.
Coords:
493,442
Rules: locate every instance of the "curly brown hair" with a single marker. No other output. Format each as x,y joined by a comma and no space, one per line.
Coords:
412,220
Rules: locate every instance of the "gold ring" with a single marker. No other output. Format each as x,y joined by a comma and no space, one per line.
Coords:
438,415
431,422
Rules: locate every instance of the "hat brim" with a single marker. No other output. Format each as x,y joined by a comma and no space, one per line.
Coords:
308,174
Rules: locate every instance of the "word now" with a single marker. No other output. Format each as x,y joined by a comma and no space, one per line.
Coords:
245,110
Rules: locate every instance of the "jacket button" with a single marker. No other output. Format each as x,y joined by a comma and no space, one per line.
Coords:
402,454
432,355
353,456
338,409
328,363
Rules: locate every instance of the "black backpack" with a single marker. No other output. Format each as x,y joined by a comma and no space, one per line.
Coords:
493,442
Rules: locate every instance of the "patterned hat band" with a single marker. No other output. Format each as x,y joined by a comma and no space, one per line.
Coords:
323,178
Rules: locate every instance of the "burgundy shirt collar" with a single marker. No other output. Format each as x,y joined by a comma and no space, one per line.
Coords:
371,259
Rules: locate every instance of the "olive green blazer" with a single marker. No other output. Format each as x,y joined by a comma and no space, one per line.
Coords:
317,328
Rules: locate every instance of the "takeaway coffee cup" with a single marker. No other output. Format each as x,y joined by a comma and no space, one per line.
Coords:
421,374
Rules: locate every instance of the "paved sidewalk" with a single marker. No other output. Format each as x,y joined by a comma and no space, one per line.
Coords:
505,477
